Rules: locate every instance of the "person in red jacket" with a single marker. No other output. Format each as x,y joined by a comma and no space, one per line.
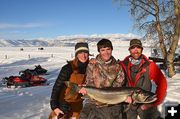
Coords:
141,72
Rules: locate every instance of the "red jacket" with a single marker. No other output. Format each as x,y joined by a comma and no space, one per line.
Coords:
153,73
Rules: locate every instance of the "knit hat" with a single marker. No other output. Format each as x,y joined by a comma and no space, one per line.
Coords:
81,47
104,43
135,42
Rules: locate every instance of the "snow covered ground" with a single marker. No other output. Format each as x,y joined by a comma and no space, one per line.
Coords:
33,102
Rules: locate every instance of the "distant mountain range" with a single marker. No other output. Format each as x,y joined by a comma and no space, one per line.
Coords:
68,40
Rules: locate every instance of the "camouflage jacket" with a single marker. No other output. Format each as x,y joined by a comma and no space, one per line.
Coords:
105,74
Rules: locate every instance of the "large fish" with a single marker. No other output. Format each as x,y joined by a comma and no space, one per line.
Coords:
117,95
108,96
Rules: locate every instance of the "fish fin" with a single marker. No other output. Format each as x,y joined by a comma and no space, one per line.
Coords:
99,104
67,83
85,97
128,107
74,86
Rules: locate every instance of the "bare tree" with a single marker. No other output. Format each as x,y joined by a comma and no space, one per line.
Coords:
160,19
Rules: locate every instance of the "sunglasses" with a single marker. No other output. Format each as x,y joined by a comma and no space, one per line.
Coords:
135,46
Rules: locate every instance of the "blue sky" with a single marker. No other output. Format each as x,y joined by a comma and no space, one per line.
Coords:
29,19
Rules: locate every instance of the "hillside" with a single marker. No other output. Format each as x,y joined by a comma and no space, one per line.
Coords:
67,40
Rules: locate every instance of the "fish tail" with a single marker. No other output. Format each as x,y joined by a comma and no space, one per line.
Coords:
73,86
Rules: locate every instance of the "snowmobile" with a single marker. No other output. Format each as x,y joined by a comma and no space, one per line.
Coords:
26,79
40,70
33,77
37,71
15,81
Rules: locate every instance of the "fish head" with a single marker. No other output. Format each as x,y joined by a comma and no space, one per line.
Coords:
143,96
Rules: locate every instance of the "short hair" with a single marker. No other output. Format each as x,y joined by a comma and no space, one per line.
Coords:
103,43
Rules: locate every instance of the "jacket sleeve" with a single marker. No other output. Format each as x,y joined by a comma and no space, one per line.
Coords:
89,75
120,80
64,75
161,84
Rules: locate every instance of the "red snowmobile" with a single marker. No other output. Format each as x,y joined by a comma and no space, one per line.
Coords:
15,81
25,79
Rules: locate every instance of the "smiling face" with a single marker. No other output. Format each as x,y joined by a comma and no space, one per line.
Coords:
83,56
105,53
135,52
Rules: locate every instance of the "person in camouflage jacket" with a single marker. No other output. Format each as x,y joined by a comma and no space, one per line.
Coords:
104,72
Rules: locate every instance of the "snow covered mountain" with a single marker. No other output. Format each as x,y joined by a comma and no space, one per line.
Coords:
67,40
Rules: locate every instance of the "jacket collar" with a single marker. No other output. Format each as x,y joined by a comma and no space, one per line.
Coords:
100,60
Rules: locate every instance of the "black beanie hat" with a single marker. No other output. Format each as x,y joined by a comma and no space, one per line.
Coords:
81,47
104,43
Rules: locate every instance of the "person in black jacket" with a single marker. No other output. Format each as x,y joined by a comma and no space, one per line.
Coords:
62,104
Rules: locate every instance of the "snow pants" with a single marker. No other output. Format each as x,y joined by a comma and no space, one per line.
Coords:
151,113
91,111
